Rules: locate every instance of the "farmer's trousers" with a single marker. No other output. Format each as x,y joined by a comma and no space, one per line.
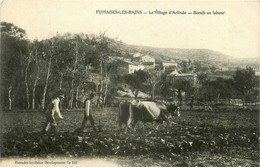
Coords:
90,117
50,122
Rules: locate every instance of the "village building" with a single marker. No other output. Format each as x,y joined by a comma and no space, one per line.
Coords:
257,70
132,67
188,77
149,65
148,62
169,66
176,76
257,73
128,67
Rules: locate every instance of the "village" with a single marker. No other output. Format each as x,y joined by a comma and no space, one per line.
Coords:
171,69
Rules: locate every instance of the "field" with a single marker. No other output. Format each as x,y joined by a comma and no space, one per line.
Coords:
199,138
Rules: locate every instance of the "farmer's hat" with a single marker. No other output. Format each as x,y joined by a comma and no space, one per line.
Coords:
61,96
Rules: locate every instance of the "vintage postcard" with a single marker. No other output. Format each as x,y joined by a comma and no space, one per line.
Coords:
129,83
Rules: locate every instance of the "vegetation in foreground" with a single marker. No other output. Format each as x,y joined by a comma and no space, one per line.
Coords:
199,138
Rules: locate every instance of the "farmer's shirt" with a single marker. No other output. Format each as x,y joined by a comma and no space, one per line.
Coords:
54,107
87,107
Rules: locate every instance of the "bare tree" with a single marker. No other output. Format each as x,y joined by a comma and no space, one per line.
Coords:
37,76
49,56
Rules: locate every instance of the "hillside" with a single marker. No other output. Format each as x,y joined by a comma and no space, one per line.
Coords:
204,55
254,61
184,54
164,54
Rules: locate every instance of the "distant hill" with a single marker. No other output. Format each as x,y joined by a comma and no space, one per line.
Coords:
253,61
204,55
177,54
184,54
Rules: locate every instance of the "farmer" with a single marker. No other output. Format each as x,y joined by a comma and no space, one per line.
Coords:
51,109
87,113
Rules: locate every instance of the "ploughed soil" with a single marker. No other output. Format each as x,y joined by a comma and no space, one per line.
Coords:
199,138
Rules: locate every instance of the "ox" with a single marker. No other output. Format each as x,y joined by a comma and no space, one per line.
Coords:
146,111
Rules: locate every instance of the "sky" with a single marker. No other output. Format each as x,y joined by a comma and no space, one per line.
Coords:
235,33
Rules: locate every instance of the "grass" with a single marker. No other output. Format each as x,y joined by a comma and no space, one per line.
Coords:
199,138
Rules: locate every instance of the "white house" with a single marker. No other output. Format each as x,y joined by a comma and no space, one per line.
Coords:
134,67
172,65
174,76
147,61
257,73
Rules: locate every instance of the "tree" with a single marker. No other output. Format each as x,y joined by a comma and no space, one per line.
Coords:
48,47
11,66
111,73
153,80
137,81
166,88
12,43
12,30
76,54
201,67
102,55
27,58
244,81
186,67
63,59
222,88
202,77
229,89
35,72
182,84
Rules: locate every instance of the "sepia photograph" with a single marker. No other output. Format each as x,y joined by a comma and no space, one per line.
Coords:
129,83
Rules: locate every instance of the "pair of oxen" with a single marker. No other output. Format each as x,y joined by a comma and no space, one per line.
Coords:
130,112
